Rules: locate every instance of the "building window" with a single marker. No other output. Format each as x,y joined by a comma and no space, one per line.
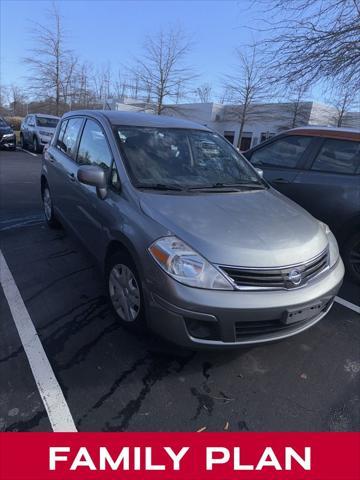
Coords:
265,136
230,136
245,142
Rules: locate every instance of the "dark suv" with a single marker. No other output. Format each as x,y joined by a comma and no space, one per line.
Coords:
319,168
7,135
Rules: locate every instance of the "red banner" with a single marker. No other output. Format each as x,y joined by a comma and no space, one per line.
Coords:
172,456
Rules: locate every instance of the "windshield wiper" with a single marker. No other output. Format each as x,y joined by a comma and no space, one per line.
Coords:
233,186
159,186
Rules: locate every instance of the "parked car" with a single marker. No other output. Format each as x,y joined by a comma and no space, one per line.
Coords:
319,168
193,243
7,135
36,130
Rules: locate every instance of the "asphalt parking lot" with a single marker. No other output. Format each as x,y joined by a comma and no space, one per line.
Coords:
113,380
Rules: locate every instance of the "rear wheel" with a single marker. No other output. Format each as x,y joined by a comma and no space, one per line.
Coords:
351,256
48,206
125,293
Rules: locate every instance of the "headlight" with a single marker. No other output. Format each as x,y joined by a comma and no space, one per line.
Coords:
186,266
333,246
9,135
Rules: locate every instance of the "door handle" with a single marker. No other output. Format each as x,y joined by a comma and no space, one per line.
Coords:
72,176
281,180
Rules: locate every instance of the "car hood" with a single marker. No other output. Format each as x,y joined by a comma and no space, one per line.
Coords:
6,130
252,229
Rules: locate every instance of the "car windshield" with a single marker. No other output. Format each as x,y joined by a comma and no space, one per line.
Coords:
3,123
161,157
46,122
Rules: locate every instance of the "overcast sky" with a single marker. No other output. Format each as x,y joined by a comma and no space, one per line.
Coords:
102,31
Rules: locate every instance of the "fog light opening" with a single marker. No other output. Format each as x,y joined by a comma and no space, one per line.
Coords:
202,329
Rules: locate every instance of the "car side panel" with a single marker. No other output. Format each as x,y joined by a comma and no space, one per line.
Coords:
331,197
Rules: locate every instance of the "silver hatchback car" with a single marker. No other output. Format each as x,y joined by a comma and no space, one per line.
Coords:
194,244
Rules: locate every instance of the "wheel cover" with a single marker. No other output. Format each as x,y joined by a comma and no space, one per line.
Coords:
47,204
355,257
124,292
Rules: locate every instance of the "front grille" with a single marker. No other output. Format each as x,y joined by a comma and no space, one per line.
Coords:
277,278
247,330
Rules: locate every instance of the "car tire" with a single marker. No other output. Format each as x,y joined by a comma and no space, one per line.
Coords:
22,141
351,256
123,287
36,146
48,207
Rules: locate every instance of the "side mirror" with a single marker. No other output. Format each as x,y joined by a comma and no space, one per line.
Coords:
94,176
260,172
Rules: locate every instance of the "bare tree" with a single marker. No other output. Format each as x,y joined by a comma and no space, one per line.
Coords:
162,72
298,110
224,95
121,86
314,40
3,98
17,100
246,85
203,93
81,92
343,100
102,83
50,60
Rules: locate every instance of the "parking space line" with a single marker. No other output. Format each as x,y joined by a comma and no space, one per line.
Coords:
27,151
47,384
347,304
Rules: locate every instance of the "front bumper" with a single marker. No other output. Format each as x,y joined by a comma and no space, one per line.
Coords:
9,142
193,317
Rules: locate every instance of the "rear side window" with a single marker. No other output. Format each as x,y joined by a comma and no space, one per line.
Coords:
338,156
46,122
93,148
69,138
285,152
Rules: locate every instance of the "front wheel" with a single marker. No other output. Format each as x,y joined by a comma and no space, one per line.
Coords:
48,206
351,256
125,293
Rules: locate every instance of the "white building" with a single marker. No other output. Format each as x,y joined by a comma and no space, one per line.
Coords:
262,122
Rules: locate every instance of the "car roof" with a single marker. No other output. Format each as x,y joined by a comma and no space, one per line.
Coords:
139,119
326,132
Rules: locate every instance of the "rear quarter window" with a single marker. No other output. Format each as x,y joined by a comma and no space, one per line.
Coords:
338,156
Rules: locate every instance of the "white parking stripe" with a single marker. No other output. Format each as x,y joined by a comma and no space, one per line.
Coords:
49,388
27,151
347,304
